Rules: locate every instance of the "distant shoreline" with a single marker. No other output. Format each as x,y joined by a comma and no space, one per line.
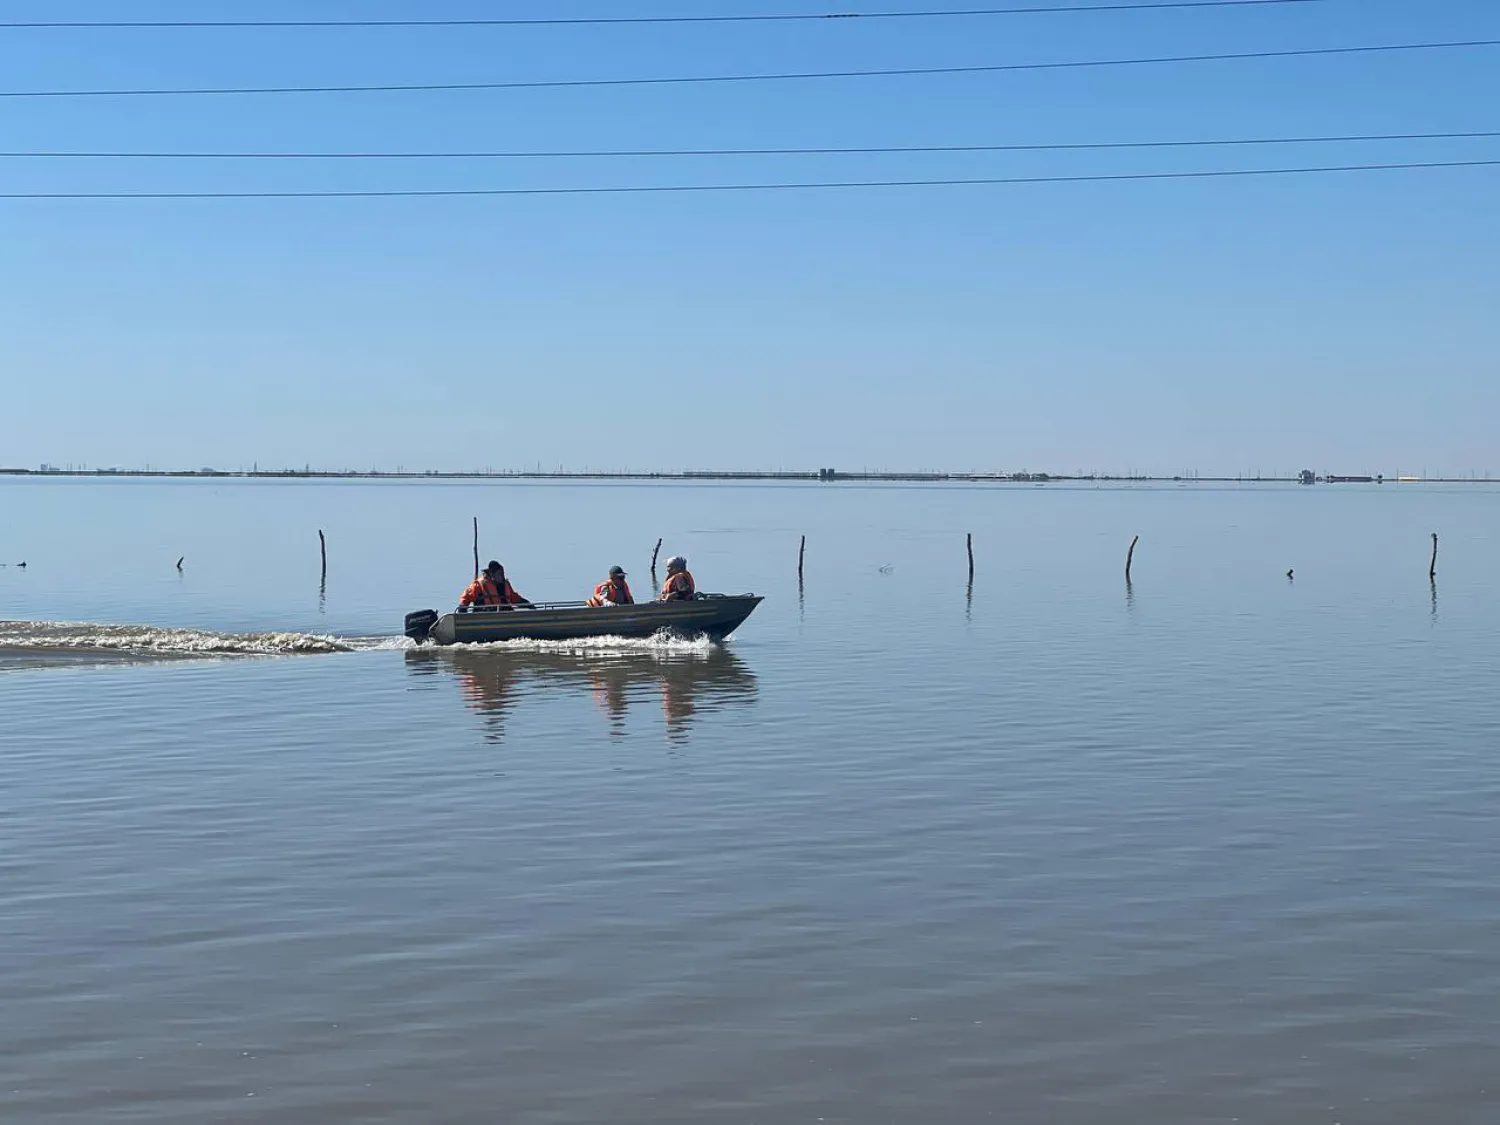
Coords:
825,476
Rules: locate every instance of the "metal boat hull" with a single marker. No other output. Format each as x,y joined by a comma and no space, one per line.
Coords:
714,616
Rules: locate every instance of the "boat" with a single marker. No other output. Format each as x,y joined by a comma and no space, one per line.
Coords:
714,616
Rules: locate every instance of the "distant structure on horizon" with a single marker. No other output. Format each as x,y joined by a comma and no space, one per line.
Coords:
1304,476
1307,476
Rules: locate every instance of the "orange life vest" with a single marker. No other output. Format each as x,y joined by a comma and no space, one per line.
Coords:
678,587
484,591
610,591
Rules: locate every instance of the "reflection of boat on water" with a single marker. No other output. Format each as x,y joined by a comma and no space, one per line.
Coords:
688,683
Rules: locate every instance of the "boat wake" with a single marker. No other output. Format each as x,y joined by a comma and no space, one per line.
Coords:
38,643
41,644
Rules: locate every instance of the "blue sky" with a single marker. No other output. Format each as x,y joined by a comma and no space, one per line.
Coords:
1344,322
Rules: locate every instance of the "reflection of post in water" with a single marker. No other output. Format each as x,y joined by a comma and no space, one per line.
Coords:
1432,581
494,681
1129,594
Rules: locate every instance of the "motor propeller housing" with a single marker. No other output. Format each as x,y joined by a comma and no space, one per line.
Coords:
419,624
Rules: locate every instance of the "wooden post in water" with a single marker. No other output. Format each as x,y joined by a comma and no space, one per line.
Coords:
476,548
971,558
179,564
1130,557
322,550
1432,568
656,551
801,554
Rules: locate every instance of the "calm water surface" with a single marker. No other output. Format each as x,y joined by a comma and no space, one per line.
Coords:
1220,847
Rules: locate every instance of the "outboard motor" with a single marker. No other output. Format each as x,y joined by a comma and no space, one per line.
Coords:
419,624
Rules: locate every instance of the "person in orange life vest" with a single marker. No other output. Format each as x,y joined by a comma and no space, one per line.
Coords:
491,588
614,591
679,586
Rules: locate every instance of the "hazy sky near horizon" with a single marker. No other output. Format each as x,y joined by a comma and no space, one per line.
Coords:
1345,322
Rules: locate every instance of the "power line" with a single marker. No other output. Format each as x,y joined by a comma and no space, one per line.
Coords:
574,83
415,193
787,17
871,150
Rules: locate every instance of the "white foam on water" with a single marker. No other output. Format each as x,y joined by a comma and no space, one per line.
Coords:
376,644
142,640
39,639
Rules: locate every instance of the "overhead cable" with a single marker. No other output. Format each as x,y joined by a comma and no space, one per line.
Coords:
676,80
415,193
853,150
585,21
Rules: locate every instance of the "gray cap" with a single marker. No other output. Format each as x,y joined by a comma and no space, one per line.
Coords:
617,571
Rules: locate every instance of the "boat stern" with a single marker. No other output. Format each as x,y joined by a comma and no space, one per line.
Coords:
444,630
425,625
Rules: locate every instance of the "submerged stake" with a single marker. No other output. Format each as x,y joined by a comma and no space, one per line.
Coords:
801,553
1432,569
1130,556
323,551
476,548
971,557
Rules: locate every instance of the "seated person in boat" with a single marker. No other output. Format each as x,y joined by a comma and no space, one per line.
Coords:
679,586
613,591
491,589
